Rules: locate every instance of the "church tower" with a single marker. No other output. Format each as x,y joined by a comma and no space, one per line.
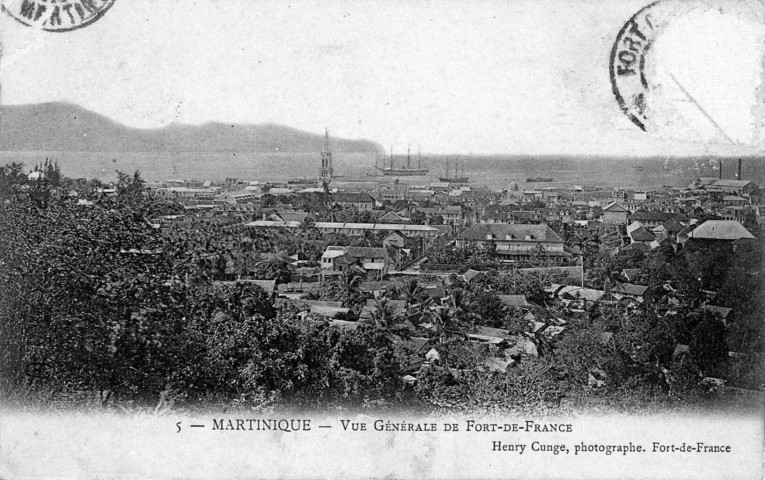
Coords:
325,172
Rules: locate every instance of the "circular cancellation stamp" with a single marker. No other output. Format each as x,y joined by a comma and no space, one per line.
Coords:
641,77
627,63
56,15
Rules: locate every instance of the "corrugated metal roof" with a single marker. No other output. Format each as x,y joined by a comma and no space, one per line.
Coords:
629,289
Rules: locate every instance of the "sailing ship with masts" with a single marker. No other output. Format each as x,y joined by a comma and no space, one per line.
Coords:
457,177
404,170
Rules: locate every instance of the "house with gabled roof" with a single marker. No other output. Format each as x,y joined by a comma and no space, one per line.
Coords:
621,290
515,242
661,240
288,216
398,240
648,218
615,213
470,274
720,230
735,201
370,259
736,187
672,226
450,214
574,293
358,200
723,313
238,197
631,274
393,217
638,233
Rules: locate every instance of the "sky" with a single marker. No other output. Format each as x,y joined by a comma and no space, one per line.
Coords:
515,77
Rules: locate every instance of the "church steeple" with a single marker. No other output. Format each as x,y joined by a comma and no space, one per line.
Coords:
325,172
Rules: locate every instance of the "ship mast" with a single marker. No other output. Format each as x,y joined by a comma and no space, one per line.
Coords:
408,159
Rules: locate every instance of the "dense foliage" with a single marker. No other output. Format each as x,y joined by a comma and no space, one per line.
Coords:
95,297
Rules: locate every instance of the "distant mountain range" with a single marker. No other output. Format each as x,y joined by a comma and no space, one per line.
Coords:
63,127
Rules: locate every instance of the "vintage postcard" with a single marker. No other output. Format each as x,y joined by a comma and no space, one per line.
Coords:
382,239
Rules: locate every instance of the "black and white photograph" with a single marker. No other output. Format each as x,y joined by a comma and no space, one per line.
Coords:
382,239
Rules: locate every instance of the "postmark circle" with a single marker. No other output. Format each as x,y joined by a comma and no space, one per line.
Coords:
627,62
56,15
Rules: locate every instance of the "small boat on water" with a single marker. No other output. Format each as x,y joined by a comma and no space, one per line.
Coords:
539,179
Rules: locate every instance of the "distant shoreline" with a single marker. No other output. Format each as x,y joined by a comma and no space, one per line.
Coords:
496,172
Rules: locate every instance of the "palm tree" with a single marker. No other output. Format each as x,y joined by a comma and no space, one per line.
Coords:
382,313
458,301
367,238
412,290
349,284
445,329
333,207
306,233
245,251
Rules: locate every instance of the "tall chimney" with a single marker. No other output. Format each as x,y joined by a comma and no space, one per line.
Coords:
738,177
719,164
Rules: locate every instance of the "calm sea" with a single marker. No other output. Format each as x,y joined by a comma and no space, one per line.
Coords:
496,171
